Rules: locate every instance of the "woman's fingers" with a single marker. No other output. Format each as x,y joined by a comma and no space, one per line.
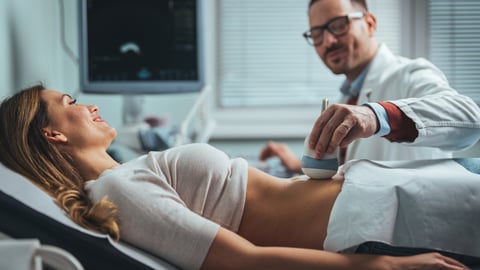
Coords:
433,261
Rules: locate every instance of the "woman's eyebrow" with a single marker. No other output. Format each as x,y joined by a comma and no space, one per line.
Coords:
66,95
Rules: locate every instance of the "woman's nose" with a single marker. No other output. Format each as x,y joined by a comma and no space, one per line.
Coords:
92,108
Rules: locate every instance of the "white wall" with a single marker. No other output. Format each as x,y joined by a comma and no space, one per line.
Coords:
5,72
30,31
22,40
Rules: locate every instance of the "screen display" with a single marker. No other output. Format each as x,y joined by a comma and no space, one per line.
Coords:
141,46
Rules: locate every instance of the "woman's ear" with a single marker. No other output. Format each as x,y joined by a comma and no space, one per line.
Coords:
54,136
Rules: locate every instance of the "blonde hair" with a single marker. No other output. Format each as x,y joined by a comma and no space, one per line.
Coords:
26,150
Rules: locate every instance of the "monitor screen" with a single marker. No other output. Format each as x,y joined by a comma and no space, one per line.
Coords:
141,46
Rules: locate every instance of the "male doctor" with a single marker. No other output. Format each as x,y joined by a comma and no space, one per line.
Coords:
402,109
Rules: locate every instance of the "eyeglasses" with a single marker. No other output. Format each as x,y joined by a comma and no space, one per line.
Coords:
337,26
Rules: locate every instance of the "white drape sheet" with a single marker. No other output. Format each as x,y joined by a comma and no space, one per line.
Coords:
427,204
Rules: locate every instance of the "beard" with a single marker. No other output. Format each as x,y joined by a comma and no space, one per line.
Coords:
341,58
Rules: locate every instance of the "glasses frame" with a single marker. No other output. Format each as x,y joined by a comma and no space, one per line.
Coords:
308,34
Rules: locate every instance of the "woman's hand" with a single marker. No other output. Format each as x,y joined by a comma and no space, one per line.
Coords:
427,261
284,153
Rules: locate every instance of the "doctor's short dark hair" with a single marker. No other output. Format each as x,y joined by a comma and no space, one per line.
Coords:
361,3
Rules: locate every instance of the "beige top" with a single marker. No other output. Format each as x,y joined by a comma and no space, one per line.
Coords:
171,203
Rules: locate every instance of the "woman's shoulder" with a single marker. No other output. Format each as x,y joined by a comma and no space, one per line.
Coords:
193,152
195,148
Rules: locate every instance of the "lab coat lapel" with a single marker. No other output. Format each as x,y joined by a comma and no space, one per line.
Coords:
378,69
370,91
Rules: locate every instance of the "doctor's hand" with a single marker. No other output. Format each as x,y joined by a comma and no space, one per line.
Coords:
341,124
289,160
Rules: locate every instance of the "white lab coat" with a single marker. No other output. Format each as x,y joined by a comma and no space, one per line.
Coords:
445,120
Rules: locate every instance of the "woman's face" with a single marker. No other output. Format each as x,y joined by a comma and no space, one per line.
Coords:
75,125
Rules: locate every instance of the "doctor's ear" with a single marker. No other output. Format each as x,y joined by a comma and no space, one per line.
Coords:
371,22
54,136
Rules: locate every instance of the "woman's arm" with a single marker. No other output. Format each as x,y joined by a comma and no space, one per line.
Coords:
230,251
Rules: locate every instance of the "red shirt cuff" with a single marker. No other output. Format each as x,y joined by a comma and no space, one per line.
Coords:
402,128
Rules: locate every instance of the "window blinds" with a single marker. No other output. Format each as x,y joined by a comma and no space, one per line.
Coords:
454,39
265,61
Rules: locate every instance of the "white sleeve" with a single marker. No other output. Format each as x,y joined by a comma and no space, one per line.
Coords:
444,118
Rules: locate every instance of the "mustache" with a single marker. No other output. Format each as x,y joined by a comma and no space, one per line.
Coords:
333,48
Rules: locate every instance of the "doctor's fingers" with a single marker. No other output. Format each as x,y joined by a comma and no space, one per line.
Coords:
341,124
321,133
331,122
361,124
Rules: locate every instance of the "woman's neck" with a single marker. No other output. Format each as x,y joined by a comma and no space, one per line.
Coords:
91,164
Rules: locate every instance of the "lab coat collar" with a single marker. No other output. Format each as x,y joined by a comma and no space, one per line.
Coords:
353,89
